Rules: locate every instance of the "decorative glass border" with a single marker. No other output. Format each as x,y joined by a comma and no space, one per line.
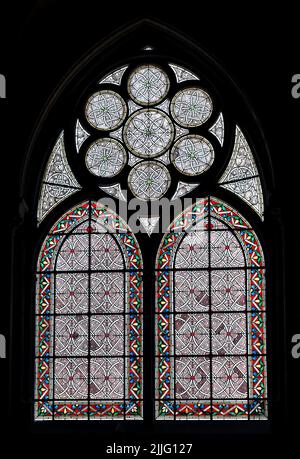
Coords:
256,405
132,406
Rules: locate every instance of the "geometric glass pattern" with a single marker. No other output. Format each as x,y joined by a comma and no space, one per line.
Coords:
148,126
149,180
183,189
191,107
80,135
114,190
192,154
165,158
105,110
182,74
149,224
132,107
88,353
59,181
180,131
105,157
218,129
114,77
210,317
117,134
148,133
148,85
164,106
241,175
132,160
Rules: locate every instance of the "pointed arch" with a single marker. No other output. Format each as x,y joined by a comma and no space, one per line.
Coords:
210,317
114,52
65,110
89,318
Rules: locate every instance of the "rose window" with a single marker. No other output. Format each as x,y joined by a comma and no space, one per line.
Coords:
154,131
148,124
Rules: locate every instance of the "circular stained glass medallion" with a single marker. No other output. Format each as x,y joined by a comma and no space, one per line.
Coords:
105,158
191,107
148,85
149,180
148,133
192,154
105,110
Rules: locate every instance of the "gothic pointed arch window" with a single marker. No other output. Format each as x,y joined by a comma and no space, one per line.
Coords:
150,130
89,318
210,317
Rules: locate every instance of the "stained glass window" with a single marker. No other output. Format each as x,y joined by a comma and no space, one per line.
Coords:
149,180
114,77
210,317
182,74
183,189
218,129
151,131
80,136
59,181
151,125
89,319
192,155
105,158
191,107
241,175
148,133
148,85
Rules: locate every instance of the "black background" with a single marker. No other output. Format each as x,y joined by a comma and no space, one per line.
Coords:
258,48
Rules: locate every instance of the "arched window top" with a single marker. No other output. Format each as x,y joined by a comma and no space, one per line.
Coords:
88,354
214,215
87,218
210,317
150,130
151,126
